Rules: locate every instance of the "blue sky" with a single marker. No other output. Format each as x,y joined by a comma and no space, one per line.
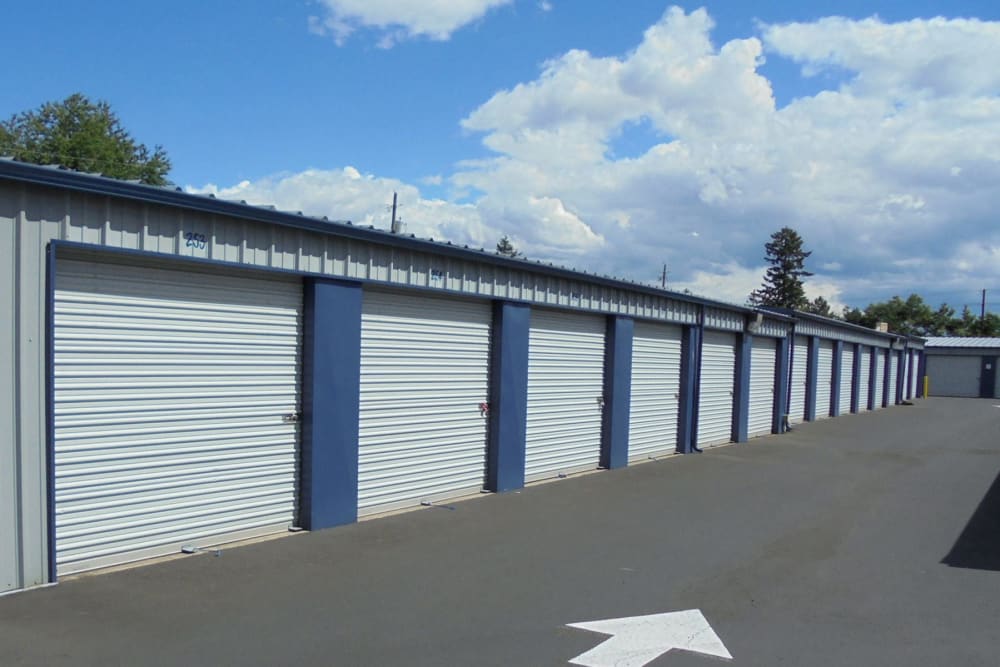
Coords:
611,137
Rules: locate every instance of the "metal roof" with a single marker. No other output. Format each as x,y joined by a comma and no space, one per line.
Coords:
957,341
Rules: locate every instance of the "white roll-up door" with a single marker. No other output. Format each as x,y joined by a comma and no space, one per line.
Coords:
864,379
800,365
565,393
879,377
893,375
763,357
824,379
656,386
424,375
846,378
715,391
175,410
915,387
904,371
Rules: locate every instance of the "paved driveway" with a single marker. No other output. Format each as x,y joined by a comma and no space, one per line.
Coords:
871,539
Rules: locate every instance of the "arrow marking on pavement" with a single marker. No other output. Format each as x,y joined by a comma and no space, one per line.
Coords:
638,640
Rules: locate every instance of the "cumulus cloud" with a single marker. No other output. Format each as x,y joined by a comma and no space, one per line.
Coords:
395,20
890,177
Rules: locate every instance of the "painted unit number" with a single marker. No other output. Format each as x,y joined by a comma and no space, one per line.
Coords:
193,240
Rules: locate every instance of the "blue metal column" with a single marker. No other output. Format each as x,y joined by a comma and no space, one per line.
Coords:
910,356
900,375
617,391
508,396
687,427
811,368
838,355
741,388
780,386
331,378
856,379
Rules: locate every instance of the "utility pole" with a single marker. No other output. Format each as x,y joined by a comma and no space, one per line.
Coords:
395,225
663,277
982,309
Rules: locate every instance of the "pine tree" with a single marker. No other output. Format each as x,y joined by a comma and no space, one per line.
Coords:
506,247
782,285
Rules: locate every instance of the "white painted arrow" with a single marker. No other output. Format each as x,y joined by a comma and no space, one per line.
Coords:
638,640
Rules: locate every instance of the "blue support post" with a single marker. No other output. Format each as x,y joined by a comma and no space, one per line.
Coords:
856,379
838,355
687,426
780,386
617,392
331,379
900,375
508,396
741,388
811,378
911,369
885,379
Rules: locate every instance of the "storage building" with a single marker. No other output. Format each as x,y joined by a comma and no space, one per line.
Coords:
965,367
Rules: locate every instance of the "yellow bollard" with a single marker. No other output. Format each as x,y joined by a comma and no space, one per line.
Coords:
927,386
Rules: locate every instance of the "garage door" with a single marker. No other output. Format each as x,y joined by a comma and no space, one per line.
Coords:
715,391
864,379
954,376
656,386
893,375
175,408
800,364
879,377
763,357
846,377
565,393
824,379
916,382
424,375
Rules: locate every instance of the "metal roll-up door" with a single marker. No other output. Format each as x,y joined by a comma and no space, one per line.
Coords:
565,393
800,362
893,374
954,375
176,400
424,376
824,379
916,386
864,379
846,378
905,372
879,388
715,391
656,386
763,357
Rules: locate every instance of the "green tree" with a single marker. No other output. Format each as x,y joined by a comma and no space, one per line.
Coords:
83,135
912,317
820,306
970,324
782,285
506,247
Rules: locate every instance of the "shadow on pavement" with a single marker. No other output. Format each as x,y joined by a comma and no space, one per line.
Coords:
978,547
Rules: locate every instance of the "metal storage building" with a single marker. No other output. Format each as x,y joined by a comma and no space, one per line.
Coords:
179,369
964,367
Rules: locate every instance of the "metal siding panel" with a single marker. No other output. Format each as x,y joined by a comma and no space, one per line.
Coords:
824,379
656,385
879,377
565,393
800,361
954,375
846,374
763,357
718,376
424,374
864,385
171,390
10,538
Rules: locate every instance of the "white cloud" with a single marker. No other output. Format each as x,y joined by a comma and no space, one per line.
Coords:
890,178
396,20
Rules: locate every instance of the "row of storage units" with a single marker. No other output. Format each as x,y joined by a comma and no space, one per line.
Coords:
177,402
189,400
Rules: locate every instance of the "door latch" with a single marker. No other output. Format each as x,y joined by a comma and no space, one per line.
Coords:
291,417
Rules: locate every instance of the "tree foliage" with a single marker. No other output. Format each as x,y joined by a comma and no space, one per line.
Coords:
913,317
820,306
506,247
83,135
782,285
